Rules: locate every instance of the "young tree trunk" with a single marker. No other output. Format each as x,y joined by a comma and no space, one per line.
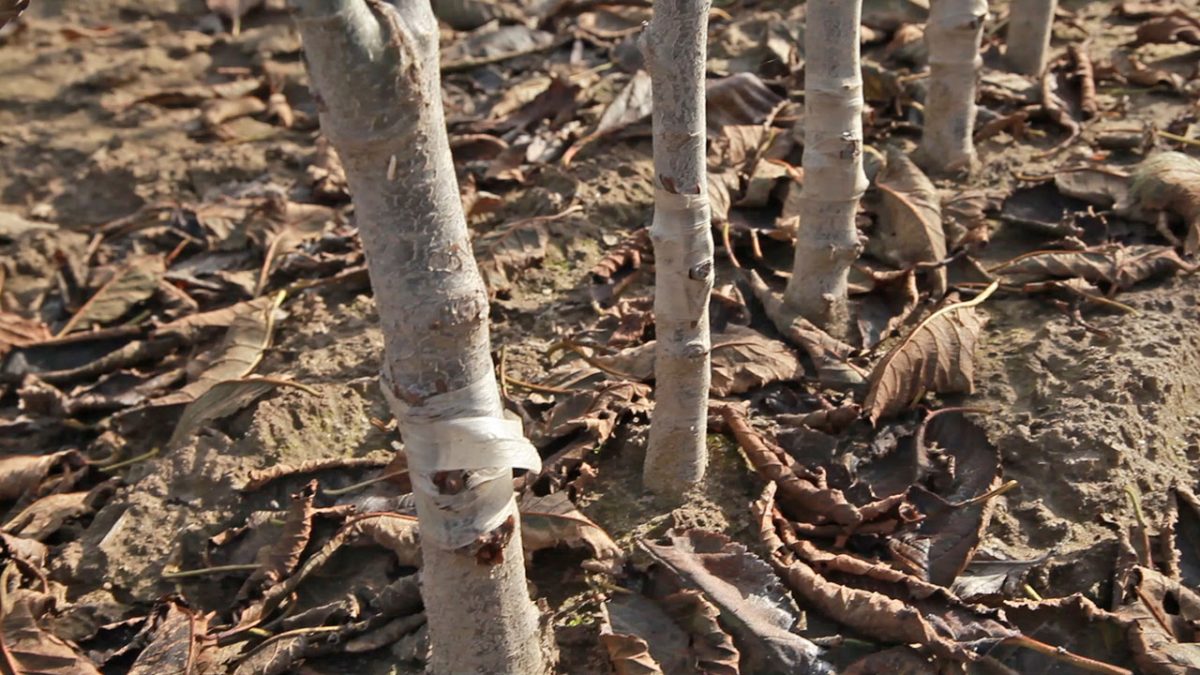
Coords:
375,68
954,31
827,243
1030,23
675,44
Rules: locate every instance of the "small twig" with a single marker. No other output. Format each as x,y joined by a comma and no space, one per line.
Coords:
1177,138
205,571
1061,654
545,389
1033,595
334,492
153,452
1007,486
1144,530
590,360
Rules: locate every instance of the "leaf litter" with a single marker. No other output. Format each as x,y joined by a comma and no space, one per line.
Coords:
187,341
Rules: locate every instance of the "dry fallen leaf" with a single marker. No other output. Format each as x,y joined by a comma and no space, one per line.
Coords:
1116,265
550,521
278,560
1162,616
17,331
909,229
178,645
131,284
754,607
27,649
628,652
1170,182
224,399
716,653
20,474
938,355
509,249
1175,27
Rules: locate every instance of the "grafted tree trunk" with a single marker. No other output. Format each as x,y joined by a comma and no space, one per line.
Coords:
827,243
1030,24
375,68
954,31
675,44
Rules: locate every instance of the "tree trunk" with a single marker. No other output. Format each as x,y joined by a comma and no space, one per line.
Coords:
1030,23
954,31
676,45
827,243
375,69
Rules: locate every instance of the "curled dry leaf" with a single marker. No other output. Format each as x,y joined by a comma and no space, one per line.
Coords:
133,283
17,331
1170,182
1162,616
44,517
1116,265
1175,27
550,521
829,355
938,355
178,645
801,497
739,99
278,560
27,649
909,229
714,648
744,360
628,652
754,607
20,474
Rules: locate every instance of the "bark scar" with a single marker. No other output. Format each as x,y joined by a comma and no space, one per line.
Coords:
491,545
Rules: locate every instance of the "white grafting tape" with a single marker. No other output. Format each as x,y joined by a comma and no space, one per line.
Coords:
462,430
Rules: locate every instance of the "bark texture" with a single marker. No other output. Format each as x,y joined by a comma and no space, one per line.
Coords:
827,243
375,69
675,44
954,31
1030,24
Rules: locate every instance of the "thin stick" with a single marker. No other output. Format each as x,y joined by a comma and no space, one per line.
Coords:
370,481
590,360
1177,138
1141,521
1081,662
205,571
545,389
987,495
153,452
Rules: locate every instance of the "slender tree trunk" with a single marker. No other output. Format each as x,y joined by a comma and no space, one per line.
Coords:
954,31
1030,23
676,46
375,68
827,243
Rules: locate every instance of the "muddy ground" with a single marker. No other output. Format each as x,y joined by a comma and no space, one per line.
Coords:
106,154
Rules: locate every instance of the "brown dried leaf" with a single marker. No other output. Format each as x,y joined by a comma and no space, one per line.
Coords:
1176,27
277,561
1120,266
909,229
393,531
260,477
829,355
893,661
753,605
27,649
627,651
739,99
179,645
326,174
1073,623
507,250
20,474
133,283
938,355
224,399
632,105
17,331
44,517
238,354
744,360
190,328
1162,616
803,498
714,648
1170,182
550,521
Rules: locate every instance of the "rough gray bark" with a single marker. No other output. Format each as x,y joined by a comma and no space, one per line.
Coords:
1030,24
827,242
675,44
954,31
375,68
